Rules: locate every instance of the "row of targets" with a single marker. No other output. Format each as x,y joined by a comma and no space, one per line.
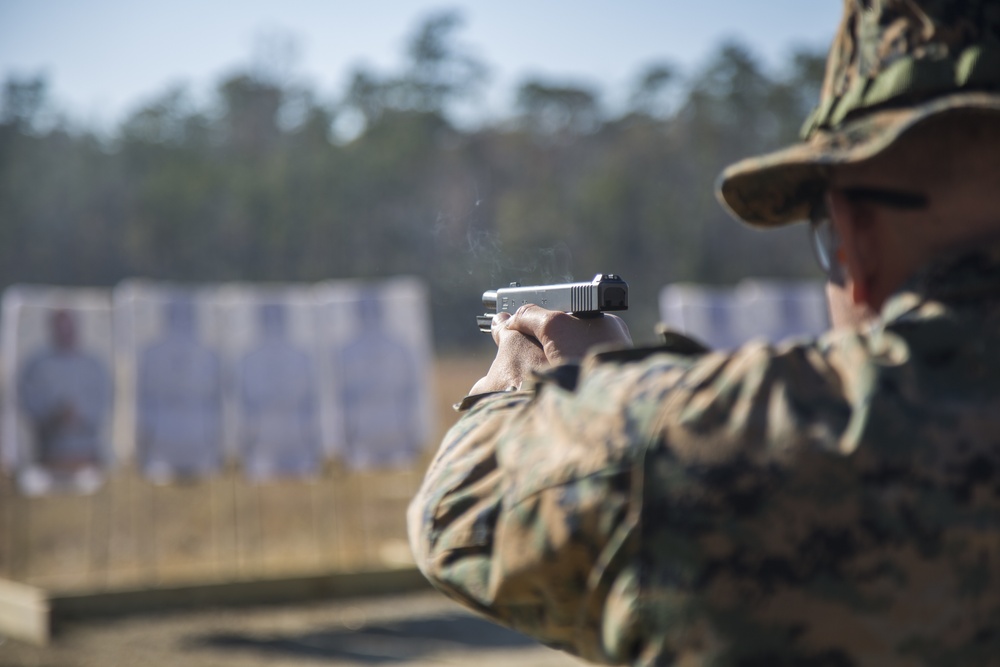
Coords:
182,380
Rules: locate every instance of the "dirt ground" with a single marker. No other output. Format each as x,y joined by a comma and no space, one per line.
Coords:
419,629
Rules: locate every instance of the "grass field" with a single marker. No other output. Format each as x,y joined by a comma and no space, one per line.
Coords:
132,532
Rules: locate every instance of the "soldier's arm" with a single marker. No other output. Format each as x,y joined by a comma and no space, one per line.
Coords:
609,514
529,511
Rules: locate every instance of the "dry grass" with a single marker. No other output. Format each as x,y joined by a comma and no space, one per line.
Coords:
132,532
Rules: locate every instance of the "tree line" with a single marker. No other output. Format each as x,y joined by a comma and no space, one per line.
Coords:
257,184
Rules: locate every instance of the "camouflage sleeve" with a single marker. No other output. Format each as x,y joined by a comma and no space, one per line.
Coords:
718,510
529,506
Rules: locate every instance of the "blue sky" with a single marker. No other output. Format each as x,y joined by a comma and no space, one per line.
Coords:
103,58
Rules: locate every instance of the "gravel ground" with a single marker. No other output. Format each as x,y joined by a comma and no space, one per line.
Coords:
408,630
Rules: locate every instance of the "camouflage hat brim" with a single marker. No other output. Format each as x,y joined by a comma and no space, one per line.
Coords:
782,187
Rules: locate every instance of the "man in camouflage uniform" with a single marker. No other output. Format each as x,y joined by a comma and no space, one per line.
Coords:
831,502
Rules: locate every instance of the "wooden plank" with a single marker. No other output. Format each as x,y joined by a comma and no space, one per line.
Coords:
29,614
84,604
24,613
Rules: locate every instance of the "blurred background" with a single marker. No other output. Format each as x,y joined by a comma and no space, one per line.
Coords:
285,152
470,145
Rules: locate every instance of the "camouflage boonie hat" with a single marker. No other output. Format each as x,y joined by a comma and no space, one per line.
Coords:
894,64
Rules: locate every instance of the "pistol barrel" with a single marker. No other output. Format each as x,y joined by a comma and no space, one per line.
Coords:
490,300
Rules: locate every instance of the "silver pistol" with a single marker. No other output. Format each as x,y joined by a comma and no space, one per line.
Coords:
606,292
